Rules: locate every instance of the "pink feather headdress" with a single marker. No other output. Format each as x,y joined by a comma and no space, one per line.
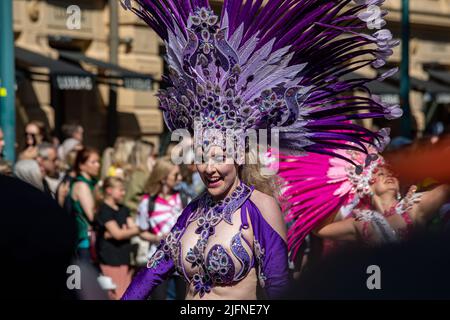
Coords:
317,186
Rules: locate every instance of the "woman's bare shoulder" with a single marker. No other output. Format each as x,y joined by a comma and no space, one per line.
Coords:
270,210
262,198
80,187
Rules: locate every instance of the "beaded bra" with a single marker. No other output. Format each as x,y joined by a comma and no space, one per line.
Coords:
381,226
215,266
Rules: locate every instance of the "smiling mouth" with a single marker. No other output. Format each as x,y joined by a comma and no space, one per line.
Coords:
213,181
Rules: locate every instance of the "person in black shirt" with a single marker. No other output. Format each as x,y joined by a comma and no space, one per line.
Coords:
37,243
115,228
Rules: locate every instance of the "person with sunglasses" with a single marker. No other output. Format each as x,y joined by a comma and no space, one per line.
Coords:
35,134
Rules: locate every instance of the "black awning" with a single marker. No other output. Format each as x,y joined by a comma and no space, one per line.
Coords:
64,75
131,79
429,86
443,76
375,86
378,87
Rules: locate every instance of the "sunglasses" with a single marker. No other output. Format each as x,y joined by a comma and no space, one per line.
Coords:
30,134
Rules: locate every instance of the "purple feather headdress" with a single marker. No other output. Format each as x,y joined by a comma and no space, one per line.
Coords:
278,66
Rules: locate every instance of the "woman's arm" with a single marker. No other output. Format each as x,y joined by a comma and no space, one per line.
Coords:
118,233
159,267
62,192
84,195
143,223
430,203
147,235
134,190
339,230
270,246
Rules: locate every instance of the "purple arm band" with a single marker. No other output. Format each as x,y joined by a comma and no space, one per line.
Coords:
160,265
271,254
148,279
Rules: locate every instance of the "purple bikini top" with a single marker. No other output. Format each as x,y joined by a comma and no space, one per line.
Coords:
205,264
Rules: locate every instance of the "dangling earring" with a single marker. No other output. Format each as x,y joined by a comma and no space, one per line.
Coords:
399,196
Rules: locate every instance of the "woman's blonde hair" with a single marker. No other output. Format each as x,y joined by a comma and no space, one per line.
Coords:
111,182
251,174
160,172
106,162
142,150
122,151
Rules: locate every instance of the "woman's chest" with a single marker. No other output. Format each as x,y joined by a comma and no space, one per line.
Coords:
223,256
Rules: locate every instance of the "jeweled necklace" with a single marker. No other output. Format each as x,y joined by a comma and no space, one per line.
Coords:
209,214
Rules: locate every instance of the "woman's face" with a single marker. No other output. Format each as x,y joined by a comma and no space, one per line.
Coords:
117,193
78,134
92,165
383,181
218,175
173,178
32,134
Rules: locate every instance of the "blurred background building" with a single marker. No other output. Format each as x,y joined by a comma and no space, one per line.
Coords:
65,74
429,56
105,73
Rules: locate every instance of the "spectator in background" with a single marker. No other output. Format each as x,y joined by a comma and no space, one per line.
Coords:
173,148
191,183
35,134
159,211
87,165
5,168
115,228
115,162
142,160
37,243
68,146
2,143
73,134
73,131
29,171
62,192
48,162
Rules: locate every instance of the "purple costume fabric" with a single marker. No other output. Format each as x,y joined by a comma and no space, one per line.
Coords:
269,252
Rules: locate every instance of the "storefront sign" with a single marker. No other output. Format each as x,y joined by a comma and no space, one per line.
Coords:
69,82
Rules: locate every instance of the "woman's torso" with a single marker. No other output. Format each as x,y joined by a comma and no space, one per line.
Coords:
158,215
111,251
80,215
164,213
387,227
226,259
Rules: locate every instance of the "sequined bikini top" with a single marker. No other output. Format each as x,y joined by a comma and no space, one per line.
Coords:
385,232
207,263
